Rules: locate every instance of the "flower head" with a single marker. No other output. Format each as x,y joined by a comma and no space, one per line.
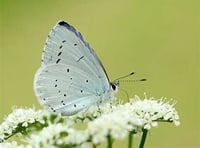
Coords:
153,110
132,116
20,117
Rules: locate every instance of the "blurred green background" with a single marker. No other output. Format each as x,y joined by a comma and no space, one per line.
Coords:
158,39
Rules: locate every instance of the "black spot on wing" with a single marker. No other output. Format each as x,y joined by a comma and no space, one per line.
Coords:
60,46
63,103
58,61
52,108
59,53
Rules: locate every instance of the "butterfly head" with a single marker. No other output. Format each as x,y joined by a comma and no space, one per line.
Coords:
114,86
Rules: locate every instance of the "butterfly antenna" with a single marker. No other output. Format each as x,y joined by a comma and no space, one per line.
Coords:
124,76
133,80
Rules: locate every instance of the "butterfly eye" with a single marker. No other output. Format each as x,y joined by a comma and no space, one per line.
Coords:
113,87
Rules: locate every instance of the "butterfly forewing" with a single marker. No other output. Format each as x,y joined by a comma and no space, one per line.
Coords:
66,45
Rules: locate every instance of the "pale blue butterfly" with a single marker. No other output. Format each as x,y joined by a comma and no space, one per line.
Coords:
71,77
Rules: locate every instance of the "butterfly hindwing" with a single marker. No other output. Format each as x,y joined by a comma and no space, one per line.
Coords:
61,86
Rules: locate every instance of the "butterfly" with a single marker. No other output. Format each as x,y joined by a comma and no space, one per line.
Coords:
71,77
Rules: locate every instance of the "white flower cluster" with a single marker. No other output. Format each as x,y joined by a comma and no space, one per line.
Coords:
20,116
56,135
116,124
151,111
134,116
115,120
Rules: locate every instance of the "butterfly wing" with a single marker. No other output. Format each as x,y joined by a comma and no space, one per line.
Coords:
71,76
66,45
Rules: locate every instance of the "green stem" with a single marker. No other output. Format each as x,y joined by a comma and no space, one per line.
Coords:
130,139
9,136
109,141
144,135
94,146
